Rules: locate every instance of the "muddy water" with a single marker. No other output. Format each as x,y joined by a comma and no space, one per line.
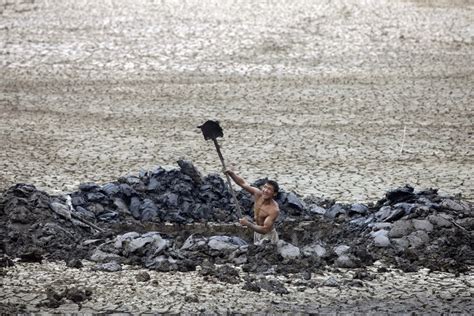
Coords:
338,98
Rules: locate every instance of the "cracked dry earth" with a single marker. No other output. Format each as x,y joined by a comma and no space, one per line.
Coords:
120,292
317,95
337,98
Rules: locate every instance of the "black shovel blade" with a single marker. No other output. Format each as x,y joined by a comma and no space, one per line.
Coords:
211,130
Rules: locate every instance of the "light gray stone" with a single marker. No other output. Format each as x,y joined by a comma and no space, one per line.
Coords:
121,206
341,249
193,242
91,241
418,239
422,224
379,233
439,221
120,239
315,249
287,250
401,228
331,281
137,243
161,263
109,267
458,206
467,223
159,244
377,226
344,261
383,213
131,242
313,208
225,243
401,242
359,208
359,221
61,209
406,207
382,241
101,256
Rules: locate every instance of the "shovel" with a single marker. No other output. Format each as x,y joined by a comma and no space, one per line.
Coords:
212,130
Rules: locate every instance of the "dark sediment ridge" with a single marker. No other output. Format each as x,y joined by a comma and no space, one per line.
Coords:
175,220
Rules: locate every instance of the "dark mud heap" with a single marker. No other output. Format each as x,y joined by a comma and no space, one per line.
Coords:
171,220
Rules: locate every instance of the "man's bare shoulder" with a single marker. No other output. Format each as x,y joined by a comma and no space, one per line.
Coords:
275,207
275,203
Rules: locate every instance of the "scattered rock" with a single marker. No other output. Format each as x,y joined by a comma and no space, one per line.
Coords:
108,267
345,261
418,239
335,211
316,209
401,228
331,282
314,249
458,206
74,263
6,261
287,250
274,286
191,299
381,241
341,249
32,255
439,221
251,286
224,273
359,208
143,277
400,195
422,224
105,222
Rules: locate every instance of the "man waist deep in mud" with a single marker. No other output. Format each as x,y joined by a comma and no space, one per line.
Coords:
265,208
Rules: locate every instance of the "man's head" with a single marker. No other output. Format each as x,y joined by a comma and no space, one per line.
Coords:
270,189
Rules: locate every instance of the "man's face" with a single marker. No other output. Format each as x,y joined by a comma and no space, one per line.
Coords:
268,191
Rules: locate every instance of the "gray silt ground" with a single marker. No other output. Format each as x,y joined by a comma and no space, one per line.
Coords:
316,95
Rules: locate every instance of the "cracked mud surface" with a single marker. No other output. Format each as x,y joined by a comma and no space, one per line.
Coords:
322,97
317,96
392,291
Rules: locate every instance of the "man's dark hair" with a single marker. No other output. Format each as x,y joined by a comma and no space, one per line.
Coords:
275,186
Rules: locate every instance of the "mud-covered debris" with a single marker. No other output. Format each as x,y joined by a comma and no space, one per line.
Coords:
143,276
74,263
406,228
112,266
57,297
32,255
225,273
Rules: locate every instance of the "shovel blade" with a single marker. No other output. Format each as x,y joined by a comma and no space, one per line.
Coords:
211,130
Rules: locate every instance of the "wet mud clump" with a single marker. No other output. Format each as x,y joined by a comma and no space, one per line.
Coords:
57,297
176,220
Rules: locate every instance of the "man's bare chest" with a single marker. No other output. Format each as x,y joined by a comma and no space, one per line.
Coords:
262,211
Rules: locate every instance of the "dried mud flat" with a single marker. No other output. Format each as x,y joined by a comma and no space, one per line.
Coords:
315,95
320,96
331,293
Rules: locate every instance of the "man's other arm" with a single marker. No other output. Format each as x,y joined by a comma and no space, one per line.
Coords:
242,183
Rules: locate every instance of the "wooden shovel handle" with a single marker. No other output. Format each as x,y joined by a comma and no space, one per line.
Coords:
239,210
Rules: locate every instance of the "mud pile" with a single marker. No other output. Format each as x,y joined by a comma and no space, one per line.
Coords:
175,220
178,196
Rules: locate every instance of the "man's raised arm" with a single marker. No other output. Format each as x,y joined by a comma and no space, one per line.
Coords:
267,224
242,183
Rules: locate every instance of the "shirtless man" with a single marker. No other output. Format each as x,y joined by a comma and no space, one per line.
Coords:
265,208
